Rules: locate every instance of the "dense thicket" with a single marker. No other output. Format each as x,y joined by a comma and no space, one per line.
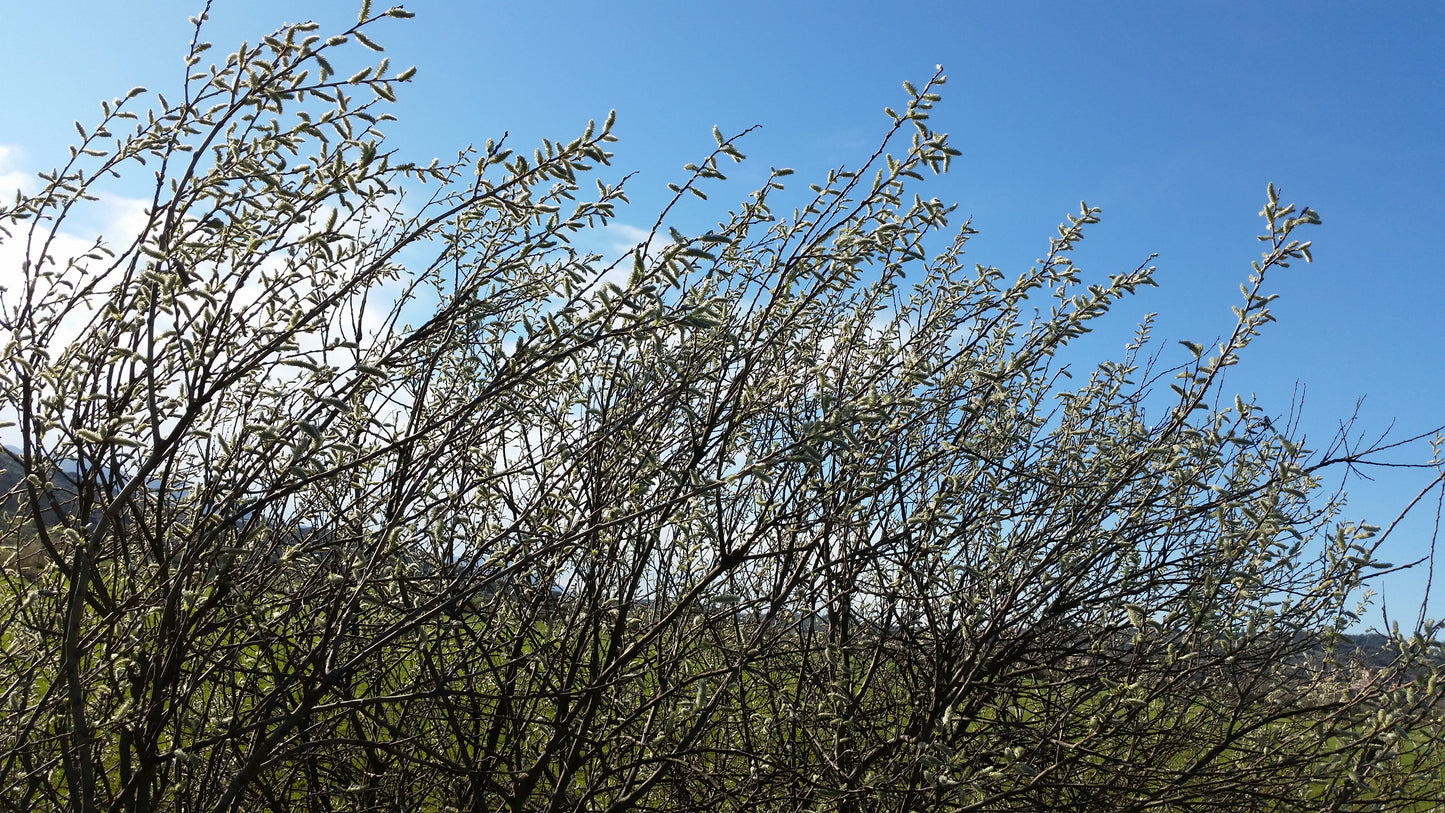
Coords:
350,484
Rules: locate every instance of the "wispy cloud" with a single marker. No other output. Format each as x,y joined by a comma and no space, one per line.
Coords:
620,237
119,220
11,178
115,217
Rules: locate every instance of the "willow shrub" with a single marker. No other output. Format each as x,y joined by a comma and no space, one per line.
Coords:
350,484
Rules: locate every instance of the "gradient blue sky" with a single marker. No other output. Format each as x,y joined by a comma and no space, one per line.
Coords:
1170,116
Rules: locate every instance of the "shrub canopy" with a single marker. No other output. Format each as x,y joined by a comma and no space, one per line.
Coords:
347,483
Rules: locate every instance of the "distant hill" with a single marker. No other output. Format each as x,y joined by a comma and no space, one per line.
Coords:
22,546
12,478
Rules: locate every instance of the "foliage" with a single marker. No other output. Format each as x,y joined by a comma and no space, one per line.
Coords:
372,501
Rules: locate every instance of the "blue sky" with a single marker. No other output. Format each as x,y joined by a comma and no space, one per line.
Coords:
1170,116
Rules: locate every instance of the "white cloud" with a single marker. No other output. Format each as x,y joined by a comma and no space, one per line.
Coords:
11,178
618,239
118,219
621,237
